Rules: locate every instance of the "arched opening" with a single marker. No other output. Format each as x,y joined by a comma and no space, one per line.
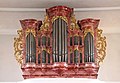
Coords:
76,55
89,48
59,40
43,56
76,40
30,48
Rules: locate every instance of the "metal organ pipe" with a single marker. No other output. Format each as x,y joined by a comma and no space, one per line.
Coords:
89,44
59,48
55,41
30,48
89,48
86,48
60,40
65,45
92,49
63,39
27,50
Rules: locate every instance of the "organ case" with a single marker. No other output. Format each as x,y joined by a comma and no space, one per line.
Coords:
60,46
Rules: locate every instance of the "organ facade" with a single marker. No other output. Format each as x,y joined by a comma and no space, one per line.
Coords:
60,46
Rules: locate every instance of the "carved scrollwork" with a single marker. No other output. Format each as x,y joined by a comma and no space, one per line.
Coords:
62,17
100,46
18,47
44,29
30,30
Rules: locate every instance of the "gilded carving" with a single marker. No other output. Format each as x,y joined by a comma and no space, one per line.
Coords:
88,30
18,47
72,49
45,25
30,30
100,46
73,24
62,17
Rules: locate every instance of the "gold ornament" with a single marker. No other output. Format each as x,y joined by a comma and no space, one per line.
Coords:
88,30
100,46
62,17
30,30
18,47
45,25
73,24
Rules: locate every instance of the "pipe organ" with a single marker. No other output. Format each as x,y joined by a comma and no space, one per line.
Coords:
60,46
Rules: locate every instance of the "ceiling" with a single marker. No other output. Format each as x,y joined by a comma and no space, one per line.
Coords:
50,3
11,11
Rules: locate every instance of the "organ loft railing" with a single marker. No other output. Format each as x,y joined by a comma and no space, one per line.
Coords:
60,46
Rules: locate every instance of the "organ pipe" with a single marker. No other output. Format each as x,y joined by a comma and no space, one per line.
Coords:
89,48
30,48
60,40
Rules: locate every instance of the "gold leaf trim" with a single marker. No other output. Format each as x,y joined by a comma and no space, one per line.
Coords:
100,46
18,47
45,25
30,30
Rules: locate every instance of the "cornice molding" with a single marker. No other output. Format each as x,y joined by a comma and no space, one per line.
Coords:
43,9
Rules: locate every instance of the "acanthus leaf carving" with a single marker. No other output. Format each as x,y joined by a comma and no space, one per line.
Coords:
18,47
100,46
